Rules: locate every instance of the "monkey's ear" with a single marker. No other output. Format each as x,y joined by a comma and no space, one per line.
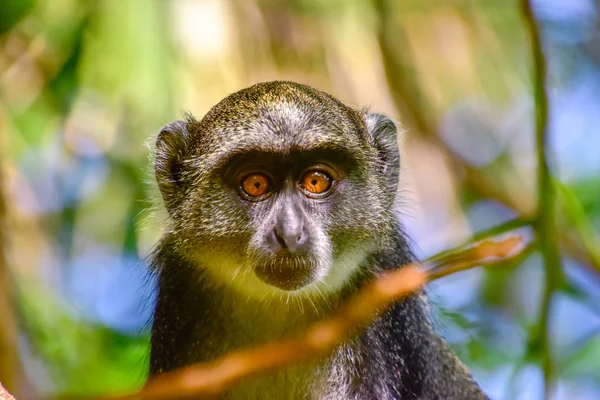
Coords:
171,149
383,134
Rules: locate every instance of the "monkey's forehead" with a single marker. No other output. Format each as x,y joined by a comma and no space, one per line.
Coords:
282,91
285,143
284,108
279,117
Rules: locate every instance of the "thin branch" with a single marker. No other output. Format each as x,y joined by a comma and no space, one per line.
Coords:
447,255
215,378
210,380
485,254
545,225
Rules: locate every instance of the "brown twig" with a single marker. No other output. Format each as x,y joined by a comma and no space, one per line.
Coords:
485,253
215,378
209,380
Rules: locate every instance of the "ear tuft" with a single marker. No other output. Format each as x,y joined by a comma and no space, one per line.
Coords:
383,134
171,150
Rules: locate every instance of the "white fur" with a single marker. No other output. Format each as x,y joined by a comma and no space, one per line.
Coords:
331,274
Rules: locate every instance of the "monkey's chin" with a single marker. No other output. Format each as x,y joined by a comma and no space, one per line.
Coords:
288,275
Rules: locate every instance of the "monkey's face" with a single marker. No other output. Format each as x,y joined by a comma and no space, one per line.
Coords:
289,203
289,248
289,195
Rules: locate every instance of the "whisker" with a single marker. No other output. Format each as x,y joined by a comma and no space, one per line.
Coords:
237,270
325,299
300,305
313,304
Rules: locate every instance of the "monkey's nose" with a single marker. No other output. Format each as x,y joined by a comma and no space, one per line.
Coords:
291,238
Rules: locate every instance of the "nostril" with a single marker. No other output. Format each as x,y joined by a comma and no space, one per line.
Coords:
280,239
303,236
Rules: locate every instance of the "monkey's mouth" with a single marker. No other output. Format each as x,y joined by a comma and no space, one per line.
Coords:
286,273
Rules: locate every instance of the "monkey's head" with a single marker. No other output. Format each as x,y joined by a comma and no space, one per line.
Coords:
280,188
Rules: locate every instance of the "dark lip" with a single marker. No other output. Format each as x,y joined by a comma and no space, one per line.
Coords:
286,273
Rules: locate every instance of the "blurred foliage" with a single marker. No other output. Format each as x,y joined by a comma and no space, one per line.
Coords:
84,358
84,84
12,12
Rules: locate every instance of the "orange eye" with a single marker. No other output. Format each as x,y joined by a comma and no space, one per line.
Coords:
256,185
316,182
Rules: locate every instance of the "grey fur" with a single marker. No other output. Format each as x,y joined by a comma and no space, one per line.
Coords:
210,301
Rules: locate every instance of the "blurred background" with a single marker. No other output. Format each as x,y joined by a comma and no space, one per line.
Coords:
84,84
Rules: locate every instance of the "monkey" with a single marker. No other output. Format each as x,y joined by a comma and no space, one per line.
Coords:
282,202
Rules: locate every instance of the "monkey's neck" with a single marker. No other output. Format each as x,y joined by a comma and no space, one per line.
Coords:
255,320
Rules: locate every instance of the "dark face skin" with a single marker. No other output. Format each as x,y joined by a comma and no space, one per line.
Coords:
291,193
282,198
